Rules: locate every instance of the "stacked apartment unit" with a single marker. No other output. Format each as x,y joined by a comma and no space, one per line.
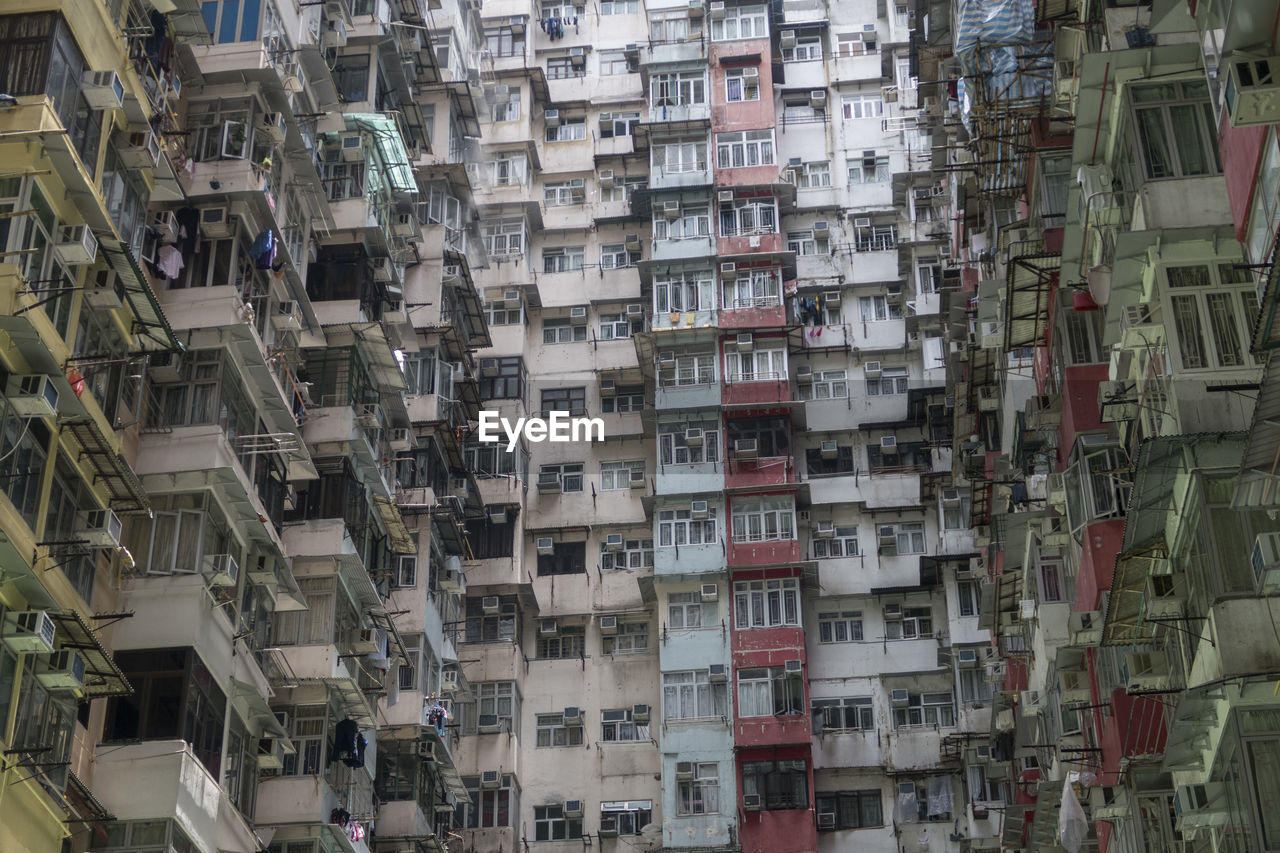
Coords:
1115,415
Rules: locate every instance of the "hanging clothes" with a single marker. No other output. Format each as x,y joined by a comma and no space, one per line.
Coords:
169,262
188,229
348,744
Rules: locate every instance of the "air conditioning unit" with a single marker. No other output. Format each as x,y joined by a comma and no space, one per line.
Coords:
426,750
516,25
826,820
717,10
871,369
728,271
452,581
793,667
335,35
99,528
369,415
825,530
221,570
578,312
899,698
893,292
863,221
821,231
829,449
710,592
573,808
693,437
1265,559
696,9
699,510
488,367
270,753
33,396
640,714
1164,598
1201,806
103,90
548,627
352,147
215,223
818,99
725,197
76,245
577,56
551,118
745,448
489,605
165,224
613,542
275,126
1085,628
745,342
288,317
449,681
62,671
893,610
717,673
608,626
549,482
632,242
605,176
751,802
400,439
1148,671
1253,90
888,444
490,779
29,632
637,478
635,309
140,151
787,39
545,545
951,496
608,826
804,374
671,209
382,269
967,658
684,771
831,299
573,716
487,724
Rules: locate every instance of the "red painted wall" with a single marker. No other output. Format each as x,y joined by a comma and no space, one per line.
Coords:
727,247
789,831
1079,405
764,553
752,318
1102,541
741,115
759,473
1241,149
748,393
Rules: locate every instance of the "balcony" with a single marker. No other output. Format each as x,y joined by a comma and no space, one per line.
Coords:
762,391
672,320
874,267
663,53
760,313
291,801
760,473
690,247
746,554
703,396
158,779
749,243
679,113
876,491
783,730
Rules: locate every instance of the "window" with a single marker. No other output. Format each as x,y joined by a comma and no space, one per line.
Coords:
766,603
682,155
862,106
614,62
683,88
763,519
798,108
692,695
803,243
562,193
570,129
678,527
619,7
744,148
778,784
635,554
875,238
615,256
840,627
507,384
982,789
567,558
755,288
847,714
853,809
489,807
815,176
489,539
913,624
571,400
1049,575
506,108
906,537
504,238
631,816
772,435
629,398
482,627
686,370
693,222
929,276
968,594
552,731
674,447
748,216
618,475
688,292
550,824
1174,132
1213,306
618,327
499,699
563,330
701,794
498,314
228,22
687,610
508,170
870,168
955,512
740,22
500,41
742,83
620,124
826,385
926,709
562,68
769,692
892,380
617,726
568,643
807,49
855,44
974,686
671,25
843,544
565,259
632,639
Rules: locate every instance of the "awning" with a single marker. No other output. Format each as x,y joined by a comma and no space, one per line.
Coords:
382,619
1123,621
1030,284
255,709
641,133
355,703
391,150
101,675
150,324
401,541
83,803
1259,484
125,491
469,301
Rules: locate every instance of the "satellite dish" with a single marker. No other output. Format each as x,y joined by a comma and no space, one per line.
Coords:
651,836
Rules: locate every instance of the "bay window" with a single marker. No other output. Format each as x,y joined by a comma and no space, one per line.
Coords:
766,603
679,527
681,88
926,709
852,713
687,369
742,84
694,221
744,148
1213,307
778,784
701,794
674,447
687,292
691,695
756,365
679,155
769,692
741,22
749,216
754,288
763,519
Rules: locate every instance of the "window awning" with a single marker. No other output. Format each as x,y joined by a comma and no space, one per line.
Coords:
401,541
256,710
154,333
125,491
1030,284
391,150
101,675
382,619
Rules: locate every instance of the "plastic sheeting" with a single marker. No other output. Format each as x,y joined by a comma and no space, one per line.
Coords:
996,45
391,150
